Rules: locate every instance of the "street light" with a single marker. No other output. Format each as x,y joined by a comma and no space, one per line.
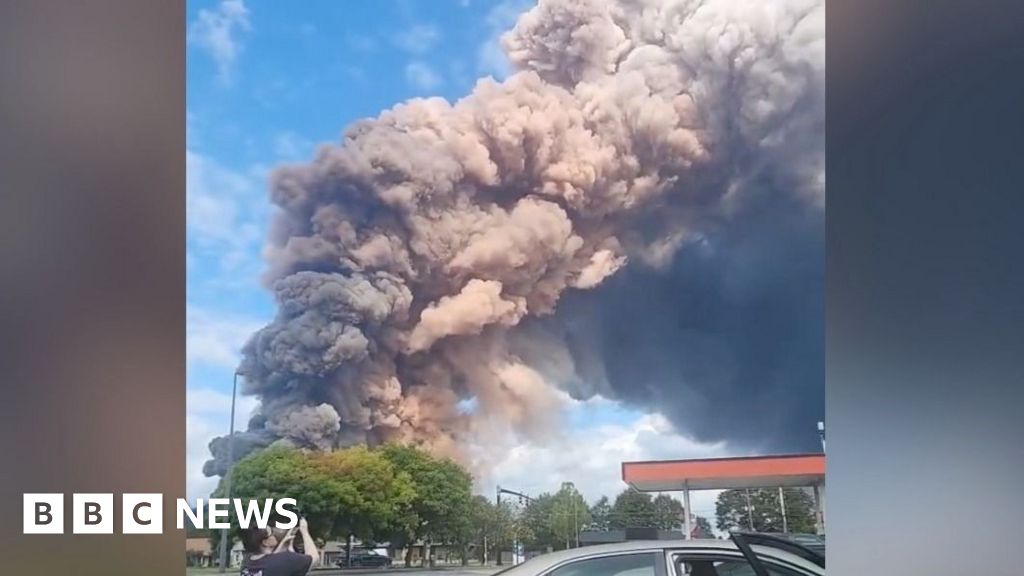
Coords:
515,523
819,512
227,473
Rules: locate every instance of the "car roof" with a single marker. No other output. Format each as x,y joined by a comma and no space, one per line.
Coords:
544,562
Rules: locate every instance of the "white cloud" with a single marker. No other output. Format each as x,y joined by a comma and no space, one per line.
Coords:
421,76
225,211
207,416
216,339
217,30
591,457
501,18
418,39
290,146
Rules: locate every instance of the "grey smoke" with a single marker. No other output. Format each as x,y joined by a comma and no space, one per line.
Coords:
637,212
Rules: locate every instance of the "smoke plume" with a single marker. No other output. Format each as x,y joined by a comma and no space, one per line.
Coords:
636,212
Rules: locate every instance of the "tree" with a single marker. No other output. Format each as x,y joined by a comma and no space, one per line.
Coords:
443,490
600,515
534,526
731,510
501,525
484,525
569,513
668,512
351,492
633,509
467,528
374,493
279,472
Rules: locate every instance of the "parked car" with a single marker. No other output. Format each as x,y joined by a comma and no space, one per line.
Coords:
744,554
813,541
365,559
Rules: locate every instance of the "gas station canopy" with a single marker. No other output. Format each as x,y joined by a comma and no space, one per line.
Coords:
726,473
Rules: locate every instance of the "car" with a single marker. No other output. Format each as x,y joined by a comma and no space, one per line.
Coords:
813,541
744,554
365,560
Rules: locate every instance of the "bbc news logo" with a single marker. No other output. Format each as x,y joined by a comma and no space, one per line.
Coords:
143,513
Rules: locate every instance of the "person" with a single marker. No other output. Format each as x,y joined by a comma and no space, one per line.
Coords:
266,555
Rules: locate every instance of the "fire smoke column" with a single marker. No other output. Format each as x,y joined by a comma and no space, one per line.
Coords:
410,260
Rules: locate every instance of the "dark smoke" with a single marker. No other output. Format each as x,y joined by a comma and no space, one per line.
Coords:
637,212
728,342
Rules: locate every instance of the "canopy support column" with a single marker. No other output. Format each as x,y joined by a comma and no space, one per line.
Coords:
686,511
819,511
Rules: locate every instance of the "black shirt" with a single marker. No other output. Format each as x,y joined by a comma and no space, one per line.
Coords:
280,564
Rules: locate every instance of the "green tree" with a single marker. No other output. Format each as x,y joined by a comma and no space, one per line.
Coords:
668,512
485,526
501,525
443,490
633,509
374,493
765,511
533,526
600,515
466,529
279,472
569,513
348,492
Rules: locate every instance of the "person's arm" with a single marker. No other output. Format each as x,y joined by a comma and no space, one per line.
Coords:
308,547
286,542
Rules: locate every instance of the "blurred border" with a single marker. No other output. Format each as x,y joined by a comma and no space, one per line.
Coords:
926,113
92,237
924,284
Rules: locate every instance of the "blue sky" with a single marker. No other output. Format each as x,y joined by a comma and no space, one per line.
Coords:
266,82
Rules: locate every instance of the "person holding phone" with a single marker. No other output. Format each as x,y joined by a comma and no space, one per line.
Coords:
266,555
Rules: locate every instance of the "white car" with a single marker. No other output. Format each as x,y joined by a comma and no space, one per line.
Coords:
746,554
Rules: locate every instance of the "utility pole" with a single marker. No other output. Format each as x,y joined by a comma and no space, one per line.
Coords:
819,511
227,473
575,519
750,511
497,500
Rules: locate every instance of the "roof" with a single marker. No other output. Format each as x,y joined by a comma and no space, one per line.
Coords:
544,562
201,545
726,473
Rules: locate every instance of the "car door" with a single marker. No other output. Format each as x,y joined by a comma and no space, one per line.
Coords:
745,541
731,563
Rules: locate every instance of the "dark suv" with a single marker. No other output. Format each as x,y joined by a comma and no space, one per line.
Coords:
366,559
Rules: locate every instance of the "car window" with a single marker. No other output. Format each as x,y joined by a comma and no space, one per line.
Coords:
619,565
730,567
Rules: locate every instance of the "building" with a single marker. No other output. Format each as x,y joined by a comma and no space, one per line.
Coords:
590,538
198,553
780,471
